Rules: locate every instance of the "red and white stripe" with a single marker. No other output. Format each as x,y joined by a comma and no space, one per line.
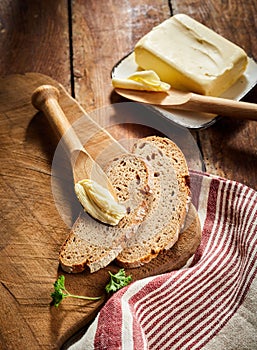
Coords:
185,309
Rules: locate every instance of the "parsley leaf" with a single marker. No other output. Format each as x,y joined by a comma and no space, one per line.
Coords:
117,281
60,293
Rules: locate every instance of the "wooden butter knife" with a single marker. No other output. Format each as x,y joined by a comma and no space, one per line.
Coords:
190,101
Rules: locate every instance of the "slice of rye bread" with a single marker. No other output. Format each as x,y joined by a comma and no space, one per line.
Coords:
94,244
168,207
179,255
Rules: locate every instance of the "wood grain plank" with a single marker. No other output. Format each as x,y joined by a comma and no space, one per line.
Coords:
34,37
102,34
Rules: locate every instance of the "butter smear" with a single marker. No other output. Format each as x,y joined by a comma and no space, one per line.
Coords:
99,202
190,56
146,80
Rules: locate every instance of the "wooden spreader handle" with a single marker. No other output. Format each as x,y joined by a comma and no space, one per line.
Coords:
222,106
45,98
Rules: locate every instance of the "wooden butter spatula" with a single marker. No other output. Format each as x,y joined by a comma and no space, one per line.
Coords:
189,101
45,98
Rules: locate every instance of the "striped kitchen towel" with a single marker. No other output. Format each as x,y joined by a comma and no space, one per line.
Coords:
209,305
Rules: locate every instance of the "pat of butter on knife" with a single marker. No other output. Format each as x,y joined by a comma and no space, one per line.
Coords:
189,56
146,80
99,202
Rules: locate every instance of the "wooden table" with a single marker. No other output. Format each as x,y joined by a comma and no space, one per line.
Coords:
77,43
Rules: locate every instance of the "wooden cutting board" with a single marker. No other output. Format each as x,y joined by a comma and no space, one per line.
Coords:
32,230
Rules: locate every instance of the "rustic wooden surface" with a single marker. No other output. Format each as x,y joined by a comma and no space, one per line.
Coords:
77,43
32,230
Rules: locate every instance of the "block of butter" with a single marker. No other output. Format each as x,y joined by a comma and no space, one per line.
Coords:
189,56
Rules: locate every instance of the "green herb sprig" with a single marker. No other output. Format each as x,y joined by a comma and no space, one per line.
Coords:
116,282
60,293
